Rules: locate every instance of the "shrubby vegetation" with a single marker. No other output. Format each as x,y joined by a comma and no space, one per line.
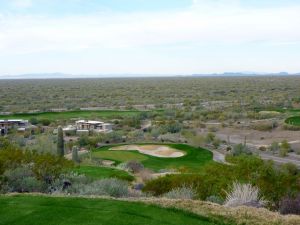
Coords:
274,183
27,171
254,92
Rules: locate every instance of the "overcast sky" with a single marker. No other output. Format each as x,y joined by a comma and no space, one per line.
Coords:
149,36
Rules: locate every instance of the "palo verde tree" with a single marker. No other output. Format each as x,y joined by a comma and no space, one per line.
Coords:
60,142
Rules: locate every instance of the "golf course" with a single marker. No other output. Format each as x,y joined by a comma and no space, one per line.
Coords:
37,210
191,159
67,115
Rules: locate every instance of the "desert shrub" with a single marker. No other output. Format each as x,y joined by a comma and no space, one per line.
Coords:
215,179
244,194
145,175
274,147
285,148
210,137
290,205
173,127
262,148
216,143
291,127
110,187
166,184
240,149
33,121
22,179
183,192
68,181
122,166
45,122
134,166
264,126
215,199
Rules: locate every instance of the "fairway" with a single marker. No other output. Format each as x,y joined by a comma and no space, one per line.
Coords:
103,172
193,159
295,121
37,210
52,116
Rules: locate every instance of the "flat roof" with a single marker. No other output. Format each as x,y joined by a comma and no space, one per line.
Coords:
16,120
89,121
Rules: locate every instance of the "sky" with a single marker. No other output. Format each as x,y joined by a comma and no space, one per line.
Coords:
151,37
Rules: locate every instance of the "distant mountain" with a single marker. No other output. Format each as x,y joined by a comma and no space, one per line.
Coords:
66,76
233,74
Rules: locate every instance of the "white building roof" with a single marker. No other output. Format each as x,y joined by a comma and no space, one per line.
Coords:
14,120
90,122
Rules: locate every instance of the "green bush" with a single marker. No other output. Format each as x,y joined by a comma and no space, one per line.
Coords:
215,179
22,179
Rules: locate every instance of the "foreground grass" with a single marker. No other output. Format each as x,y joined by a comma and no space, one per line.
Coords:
194,159
53,116
96,172
36,210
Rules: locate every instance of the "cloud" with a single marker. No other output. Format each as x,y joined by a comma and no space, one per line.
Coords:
216,23
21,3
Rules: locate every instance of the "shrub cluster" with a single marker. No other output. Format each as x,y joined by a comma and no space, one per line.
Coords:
27,171
215,179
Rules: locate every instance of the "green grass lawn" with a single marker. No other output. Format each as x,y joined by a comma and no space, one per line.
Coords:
120,156
295,120
52,116
97,172
194,159
37,210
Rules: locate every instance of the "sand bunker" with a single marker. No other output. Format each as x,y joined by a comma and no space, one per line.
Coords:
153,150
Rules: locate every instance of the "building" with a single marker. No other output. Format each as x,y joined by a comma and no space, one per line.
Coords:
88,126
6,125
91,125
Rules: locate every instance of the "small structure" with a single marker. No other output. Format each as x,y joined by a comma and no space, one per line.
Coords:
87,126
19,124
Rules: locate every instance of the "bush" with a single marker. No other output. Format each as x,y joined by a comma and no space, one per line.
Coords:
111,187
244,194
264,126
134,166
291,127
181,193
240,149
45,122
215,199
21,180
290,206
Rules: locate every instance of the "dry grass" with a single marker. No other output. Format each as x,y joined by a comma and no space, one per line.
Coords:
239,215
242,194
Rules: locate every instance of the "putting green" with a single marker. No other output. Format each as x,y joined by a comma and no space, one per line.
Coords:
193,159
295,121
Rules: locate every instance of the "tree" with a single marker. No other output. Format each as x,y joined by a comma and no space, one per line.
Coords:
285,147
274,147
60,142
75,157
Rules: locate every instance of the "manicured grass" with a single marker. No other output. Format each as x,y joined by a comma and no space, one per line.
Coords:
52,116
120,156
37,210
97,172
295,120
194,159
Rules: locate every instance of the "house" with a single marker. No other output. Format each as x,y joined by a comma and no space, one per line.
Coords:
96,126
87,126
6,125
